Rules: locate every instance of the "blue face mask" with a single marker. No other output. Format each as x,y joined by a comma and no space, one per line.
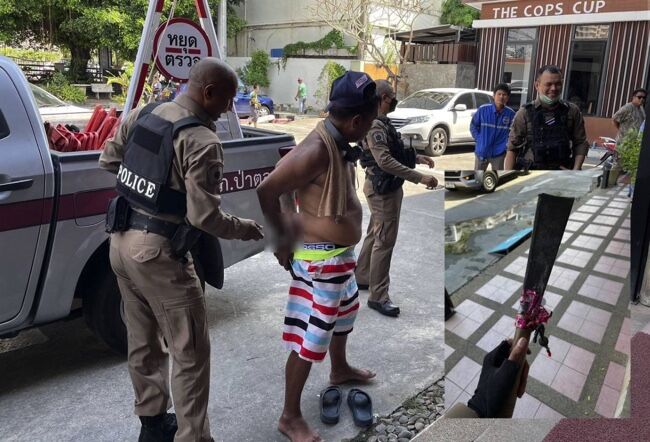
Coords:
548,101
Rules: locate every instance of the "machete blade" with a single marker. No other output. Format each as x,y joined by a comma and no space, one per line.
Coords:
551,218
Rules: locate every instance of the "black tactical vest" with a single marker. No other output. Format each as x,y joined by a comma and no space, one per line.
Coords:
551,144
383,182
143,174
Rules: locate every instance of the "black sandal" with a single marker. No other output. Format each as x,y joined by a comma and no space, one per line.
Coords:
330,404
361,406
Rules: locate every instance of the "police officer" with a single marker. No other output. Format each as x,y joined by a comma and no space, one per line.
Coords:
169,163
548,133
387,163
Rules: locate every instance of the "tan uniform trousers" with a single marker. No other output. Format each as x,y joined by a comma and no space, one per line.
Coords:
373,265
163,298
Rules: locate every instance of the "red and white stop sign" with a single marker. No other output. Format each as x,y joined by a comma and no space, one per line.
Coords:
178,45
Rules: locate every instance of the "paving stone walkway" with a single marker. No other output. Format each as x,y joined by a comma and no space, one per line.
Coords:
590,329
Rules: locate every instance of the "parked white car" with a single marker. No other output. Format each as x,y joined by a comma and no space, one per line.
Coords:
432,119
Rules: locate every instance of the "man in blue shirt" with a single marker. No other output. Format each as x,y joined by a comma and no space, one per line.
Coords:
490,128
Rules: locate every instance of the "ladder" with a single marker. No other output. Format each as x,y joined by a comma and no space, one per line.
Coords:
228,127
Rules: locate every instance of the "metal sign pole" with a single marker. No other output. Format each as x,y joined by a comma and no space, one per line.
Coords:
144,59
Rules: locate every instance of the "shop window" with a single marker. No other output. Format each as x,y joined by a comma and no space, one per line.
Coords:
518,64
586,67
522,34
592,32
517,73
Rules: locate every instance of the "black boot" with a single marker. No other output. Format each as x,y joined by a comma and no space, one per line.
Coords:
159,428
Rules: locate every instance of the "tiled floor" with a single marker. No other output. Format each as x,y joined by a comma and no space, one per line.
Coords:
587,242
613,266
586,321
574,257
601,289
584,289
562,277
499,289
618,248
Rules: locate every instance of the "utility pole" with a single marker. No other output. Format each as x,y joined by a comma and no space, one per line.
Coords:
222,26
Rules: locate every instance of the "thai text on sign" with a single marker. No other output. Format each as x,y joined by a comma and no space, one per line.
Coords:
179,44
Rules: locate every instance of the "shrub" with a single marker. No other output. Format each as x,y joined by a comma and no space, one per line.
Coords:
629,150
256,70
331,71
60,87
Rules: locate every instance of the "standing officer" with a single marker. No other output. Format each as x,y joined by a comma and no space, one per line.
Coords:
548,133
169,163
388,163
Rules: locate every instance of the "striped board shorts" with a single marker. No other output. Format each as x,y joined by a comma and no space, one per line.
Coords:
323,301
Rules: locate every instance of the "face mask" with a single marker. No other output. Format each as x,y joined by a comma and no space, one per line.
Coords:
393,104
548,101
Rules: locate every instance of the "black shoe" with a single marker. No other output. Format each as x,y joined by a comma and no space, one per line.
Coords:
159,428
363,286
386,308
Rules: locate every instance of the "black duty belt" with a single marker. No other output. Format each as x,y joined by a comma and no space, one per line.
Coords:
151,224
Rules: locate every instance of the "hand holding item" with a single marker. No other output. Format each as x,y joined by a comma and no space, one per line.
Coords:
499,373
253,230
423,159
430,181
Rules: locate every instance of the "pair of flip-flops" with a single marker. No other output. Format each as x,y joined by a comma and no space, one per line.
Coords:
359,402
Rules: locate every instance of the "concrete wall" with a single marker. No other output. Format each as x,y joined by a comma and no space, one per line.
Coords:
284,82
424,76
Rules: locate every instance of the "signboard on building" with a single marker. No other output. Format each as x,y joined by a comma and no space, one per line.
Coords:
548,8
178,45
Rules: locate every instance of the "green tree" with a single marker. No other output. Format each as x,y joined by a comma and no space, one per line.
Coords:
256,70
331,71
454,12
82,26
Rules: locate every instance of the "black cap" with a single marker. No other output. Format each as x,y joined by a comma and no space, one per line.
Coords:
351,90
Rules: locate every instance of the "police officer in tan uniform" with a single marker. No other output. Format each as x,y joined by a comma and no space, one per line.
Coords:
169,163
387,163
548,133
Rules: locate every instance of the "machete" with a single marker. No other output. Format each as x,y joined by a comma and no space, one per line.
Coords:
639,218
551,218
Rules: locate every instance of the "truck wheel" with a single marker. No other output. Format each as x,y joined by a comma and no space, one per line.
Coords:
490,181
264,111
437,142
104,312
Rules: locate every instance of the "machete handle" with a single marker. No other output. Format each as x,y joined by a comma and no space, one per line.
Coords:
509,406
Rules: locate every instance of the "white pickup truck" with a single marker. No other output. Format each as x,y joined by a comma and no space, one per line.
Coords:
53,247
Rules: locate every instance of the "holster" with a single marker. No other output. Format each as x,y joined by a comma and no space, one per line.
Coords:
117,216
184,239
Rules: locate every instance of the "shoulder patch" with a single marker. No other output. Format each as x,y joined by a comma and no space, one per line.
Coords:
379,136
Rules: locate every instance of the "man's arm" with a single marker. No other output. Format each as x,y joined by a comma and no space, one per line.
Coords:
113,153
516,139
204,170
300,167
378,144
579,140
475,125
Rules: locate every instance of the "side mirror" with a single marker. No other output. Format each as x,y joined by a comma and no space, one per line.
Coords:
460,107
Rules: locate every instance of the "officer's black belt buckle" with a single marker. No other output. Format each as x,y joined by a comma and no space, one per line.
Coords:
147,223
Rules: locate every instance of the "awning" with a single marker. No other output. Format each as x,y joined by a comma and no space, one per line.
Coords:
437,34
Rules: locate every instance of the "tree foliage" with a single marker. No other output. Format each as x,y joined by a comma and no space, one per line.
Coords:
629,151
331,71
454,12
364,20
256,70
82,26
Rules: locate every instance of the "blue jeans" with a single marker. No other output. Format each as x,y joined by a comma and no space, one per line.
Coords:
302,108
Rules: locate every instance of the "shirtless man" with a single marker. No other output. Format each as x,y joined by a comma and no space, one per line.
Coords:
323,297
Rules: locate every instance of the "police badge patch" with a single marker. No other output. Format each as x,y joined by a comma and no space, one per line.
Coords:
379,137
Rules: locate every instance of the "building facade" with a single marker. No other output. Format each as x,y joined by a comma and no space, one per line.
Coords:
602,47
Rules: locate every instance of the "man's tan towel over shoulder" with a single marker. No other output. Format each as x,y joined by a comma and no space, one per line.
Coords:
334,198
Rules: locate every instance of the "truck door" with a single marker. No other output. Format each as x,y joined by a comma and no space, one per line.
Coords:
23,207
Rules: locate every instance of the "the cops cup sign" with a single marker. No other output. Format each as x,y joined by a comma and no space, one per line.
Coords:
178,45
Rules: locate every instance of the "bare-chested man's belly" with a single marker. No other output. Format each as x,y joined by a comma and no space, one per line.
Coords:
345,231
